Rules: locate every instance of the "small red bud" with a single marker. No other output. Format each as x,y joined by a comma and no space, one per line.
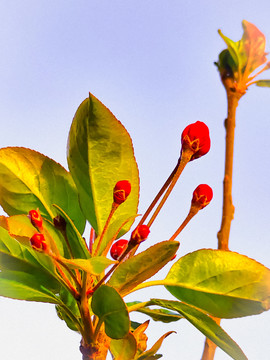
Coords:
38,242
196,138
35,217
118,248
140,234
121,191
202,196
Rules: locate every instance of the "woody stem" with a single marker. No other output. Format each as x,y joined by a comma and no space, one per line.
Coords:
159,194
192,212
223,235
185,158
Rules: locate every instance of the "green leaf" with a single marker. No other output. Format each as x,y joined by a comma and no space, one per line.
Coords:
75,239
95,265
100,153
124,349
22,286
63,316
263,83
17,257
223,283
30,180
162,315
233,48
206,325
150,354
141,267
108,305
68,310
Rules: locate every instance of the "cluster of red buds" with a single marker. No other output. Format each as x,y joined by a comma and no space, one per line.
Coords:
37,241
138,235
196,142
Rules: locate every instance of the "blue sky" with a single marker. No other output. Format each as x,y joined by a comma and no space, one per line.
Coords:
151,63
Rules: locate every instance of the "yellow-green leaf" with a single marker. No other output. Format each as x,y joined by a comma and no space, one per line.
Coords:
30,180
206,325
100,153
95,265
263,83
223,283
141,267
124,349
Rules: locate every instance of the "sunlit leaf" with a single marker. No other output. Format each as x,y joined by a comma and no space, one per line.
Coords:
124,349
18,257
100,153
233,48
20,227
95,265
141,337
141,267
223,283
30,180
108,305
150,354
206,325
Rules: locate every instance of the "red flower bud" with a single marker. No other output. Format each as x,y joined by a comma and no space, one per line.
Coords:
38,242
121,191
196,138
140,234
35,217
202,196
118,248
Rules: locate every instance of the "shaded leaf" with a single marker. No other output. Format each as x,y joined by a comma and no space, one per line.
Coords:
263,83
141,267
223,283
75,239
100,153
22,286
66,307
163,315
108,305
206,325
30,180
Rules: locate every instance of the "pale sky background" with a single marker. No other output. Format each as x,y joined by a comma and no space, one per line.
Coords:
151,63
